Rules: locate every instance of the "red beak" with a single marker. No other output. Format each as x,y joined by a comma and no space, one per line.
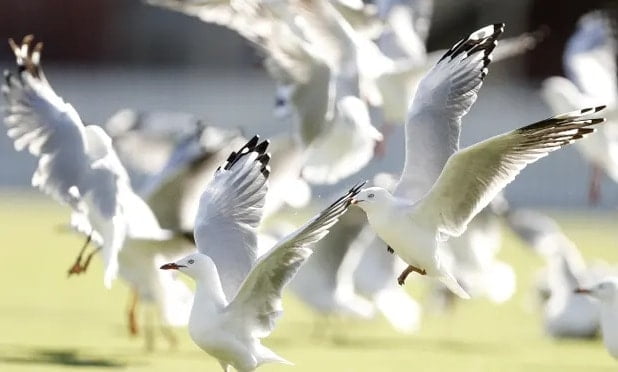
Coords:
582,290
171,266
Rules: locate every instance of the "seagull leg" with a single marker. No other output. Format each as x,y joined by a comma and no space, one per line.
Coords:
389,249
410,269
133,328
77,268
594,191
89,258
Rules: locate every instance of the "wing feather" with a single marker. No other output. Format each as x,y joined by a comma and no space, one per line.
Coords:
443,97
230,211
472,177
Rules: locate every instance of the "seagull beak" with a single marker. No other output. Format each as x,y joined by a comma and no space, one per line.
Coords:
355,201
582,291
171,266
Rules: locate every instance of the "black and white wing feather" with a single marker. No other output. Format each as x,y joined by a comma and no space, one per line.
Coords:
473,176
51,129
230,211
443,97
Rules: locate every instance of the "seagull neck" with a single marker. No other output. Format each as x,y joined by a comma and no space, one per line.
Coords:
209,293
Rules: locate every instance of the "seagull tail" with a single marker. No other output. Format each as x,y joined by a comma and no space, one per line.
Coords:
265,355
451,283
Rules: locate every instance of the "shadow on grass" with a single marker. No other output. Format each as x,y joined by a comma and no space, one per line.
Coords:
64,357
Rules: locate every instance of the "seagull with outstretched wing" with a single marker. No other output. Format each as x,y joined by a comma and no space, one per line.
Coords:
589,61
77,164
238,299
441,189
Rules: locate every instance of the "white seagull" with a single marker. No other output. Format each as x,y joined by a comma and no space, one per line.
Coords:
607,294
319,86
238,298
441,189
589,61
77,164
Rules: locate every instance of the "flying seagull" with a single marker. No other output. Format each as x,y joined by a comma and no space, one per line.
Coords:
77,164
589,61
442,189
238,297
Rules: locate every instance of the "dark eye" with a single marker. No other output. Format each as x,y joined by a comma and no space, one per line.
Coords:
191,262
371,196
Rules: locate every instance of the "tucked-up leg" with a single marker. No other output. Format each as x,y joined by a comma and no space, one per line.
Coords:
410,269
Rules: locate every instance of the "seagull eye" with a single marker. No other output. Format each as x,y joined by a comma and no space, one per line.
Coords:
191,262
370,196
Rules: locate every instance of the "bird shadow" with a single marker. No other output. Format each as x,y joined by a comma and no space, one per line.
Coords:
19,354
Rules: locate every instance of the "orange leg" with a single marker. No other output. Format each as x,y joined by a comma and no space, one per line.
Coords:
410,269
77,267
133,328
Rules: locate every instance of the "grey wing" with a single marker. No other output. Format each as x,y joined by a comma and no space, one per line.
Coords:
244,17
443,97
39,120
230,210
294,63
259,298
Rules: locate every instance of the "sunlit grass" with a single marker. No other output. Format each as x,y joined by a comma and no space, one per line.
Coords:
51,323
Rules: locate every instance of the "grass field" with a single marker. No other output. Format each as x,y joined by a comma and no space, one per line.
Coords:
51,323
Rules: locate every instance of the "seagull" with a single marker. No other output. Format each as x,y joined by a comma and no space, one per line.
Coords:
565,315
418,217
144,140
77,164
238,297
589,61
320,86
607,294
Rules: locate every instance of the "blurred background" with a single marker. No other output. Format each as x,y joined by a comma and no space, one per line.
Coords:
105,55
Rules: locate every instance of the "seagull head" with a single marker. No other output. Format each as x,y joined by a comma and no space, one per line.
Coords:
605,291
371,198
195,265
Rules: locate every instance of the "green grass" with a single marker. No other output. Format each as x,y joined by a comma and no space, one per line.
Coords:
51,323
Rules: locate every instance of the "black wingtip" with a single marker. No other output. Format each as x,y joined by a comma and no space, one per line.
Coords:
253,145
261,148
252,142
357,188
481,39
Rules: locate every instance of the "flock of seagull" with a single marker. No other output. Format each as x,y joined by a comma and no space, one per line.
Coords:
134,184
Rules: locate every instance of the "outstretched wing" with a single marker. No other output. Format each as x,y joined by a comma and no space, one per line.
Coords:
230,211
39,120
474,176
443,97
259,297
